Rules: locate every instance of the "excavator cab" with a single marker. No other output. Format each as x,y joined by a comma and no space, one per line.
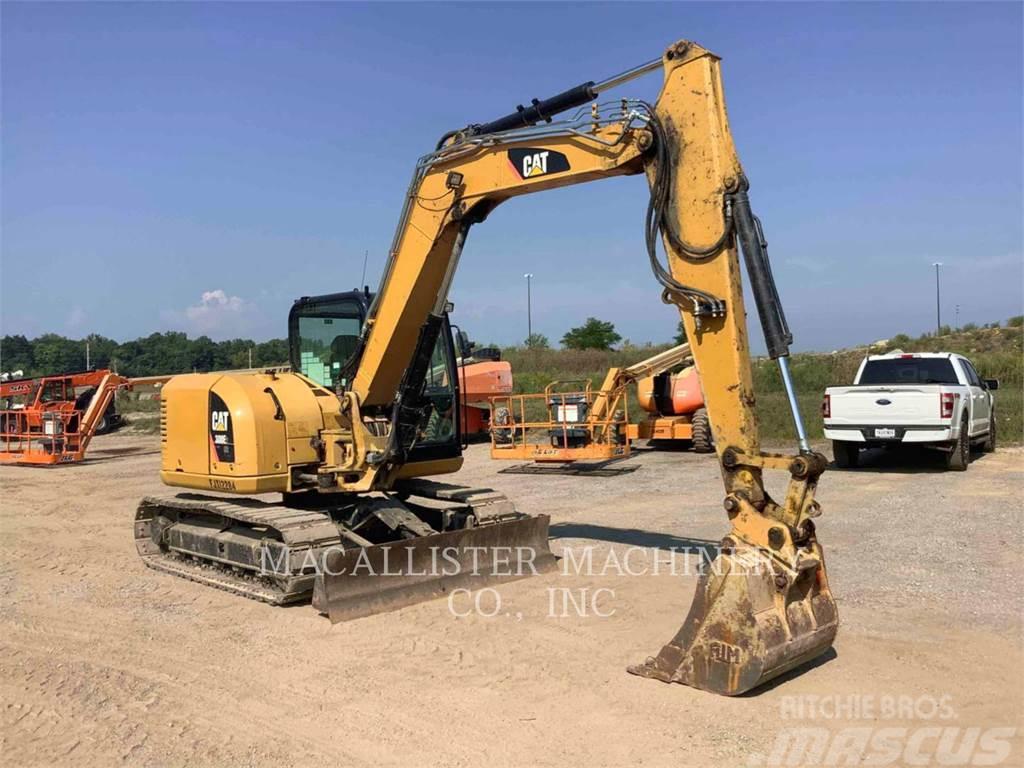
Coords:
323,336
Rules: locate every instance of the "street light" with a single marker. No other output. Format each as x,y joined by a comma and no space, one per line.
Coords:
938,312
529,319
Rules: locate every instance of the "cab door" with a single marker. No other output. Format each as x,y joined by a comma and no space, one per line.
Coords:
438,435
980,409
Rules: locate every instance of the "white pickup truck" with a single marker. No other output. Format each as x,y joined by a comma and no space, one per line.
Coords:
929,398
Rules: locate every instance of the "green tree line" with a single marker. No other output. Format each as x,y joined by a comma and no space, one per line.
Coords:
153,355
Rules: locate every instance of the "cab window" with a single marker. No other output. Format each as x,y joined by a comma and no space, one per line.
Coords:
328,334
53,392
972,375
908,370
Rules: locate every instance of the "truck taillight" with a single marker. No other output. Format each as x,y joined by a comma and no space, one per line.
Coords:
826,407
947,402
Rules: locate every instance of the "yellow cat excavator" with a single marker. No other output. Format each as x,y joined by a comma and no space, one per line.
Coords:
359,527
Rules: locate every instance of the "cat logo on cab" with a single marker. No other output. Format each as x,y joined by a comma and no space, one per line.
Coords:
530,163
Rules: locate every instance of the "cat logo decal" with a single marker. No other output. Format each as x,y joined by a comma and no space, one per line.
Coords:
529,163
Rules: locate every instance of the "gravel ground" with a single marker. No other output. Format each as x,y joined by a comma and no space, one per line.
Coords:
103,661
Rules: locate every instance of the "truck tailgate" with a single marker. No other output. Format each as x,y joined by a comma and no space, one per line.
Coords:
886,405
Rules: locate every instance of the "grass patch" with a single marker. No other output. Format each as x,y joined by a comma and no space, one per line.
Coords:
143,424
132,402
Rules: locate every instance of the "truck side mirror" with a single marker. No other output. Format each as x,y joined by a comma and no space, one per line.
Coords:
991,384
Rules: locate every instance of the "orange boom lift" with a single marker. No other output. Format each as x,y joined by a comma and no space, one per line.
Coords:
55,426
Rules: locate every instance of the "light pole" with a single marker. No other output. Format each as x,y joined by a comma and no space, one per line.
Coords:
938,312
529,318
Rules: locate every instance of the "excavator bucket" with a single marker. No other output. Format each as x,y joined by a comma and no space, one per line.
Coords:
364,581
751,620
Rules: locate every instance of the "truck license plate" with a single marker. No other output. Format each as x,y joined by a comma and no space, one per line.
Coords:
885,432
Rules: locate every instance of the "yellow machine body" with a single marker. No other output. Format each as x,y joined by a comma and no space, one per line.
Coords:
241,433
249,432
765,605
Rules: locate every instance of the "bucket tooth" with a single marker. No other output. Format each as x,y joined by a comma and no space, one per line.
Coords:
751,620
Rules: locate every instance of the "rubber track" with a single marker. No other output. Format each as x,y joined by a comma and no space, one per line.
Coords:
298,529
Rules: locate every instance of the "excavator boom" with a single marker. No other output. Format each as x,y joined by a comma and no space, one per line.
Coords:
762,606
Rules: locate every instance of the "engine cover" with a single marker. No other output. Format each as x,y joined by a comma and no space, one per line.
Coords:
241,432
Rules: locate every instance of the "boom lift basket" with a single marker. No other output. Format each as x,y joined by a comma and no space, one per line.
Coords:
58,440
560,426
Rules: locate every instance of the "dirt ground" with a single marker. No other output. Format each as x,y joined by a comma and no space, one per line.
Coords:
103,661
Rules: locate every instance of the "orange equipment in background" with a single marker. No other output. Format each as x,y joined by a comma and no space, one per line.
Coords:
583,424
479,381
63,393
56,425
577,424
51,419
675,404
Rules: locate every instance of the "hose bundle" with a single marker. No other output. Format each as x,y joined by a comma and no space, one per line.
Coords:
657,221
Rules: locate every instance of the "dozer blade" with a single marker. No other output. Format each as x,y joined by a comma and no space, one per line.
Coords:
385,577
751,620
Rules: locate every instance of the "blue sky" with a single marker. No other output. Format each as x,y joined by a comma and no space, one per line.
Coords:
197,166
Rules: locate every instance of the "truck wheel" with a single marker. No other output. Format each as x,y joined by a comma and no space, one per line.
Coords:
958,458
702,440
990,442
846,454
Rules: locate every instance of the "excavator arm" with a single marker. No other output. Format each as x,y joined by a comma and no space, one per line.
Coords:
763,605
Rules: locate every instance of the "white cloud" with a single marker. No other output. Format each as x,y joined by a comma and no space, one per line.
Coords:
216,314
213,307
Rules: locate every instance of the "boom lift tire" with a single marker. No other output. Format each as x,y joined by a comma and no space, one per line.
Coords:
703,442
103,421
